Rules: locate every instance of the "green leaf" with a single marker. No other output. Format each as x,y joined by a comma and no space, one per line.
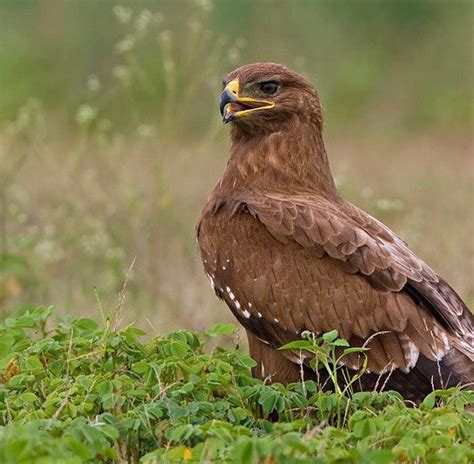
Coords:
27,397
364,428
110,432
72,409
178,349
245,452
84,323
447,421
340,342
330,336
354,349
137,393
6,344
295,440
108,401
268,400
377,457
105,388
429,401
298,345
33,363
141,367
237,415
247,361
182,433
23,321
439,441
220,329
361,397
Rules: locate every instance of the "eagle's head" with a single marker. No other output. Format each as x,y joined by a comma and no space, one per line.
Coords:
268,97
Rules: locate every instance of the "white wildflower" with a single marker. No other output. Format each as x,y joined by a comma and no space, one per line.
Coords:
86,114
93,83
143,20
122,13
126,44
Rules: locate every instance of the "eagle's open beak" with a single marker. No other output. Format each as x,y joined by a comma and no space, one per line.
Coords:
232,106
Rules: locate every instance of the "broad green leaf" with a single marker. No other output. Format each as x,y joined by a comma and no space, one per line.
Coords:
298,345
221,329
330,336
141,367
429,401
340,342
33,363
104,388
6,344
84,323
245,453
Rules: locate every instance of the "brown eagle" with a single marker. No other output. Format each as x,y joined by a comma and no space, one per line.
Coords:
288,254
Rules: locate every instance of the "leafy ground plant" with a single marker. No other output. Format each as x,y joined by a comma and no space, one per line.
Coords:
74,391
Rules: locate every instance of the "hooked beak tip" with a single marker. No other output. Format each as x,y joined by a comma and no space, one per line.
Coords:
227,117
226,98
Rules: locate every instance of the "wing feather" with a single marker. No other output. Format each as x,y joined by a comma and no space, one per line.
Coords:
347,234
295,265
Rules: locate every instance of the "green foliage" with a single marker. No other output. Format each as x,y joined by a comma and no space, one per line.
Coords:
110,101
327,351
79,392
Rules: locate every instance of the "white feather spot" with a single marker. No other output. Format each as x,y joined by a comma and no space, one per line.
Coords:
237,304
276,320
227,260
231,295
213,286
413,354
250,305
439,335
223,268
246,314
262,370
259,314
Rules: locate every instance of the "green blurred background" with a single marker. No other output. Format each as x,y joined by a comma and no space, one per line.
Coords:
111,140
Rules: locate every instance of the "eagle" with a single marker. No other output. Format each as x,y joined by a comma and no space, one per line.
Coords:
289,255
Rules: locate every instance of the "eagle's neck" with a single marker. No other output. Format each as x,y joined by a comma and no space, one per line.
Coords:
290,160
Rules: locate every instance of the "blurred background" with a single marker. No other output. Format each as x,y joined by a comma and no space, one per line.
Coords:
111,138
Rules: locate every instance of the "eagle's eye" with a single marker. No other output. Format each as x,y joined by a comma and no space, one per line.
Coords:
268,87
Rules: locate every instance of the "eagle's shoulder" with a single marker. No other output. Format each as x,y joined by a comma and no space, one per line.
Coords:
345,232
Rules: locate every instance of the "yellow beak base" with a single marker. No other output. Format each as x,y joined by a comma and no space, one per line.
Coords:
230,102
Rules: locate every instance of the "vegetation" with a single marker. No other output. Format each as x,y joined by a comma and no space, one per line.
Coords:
76,391
110,139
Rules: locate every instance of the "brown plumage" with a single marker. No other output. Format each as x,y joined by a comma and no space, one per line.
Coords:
287,253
